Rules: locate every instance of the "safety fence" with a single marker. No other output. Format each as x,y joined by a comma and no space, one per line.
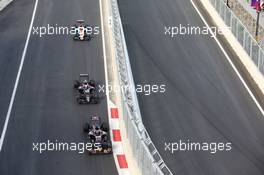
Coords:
146,155
248,42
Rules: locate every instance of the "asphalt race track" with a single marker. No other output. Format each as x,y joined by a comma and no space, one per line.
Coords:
45,107
204,100
13,37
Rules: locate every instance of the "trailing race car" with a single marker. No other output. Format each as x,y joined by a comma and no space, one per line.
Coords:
86,90
81,31
98,136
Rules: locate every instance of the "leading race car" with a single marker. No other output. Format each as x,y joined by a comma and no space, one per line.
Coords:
98,135
86,90
81,31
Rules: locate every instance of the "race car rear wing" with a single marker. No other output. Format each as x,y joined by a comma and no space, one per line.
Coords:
80,21
84,75
95,118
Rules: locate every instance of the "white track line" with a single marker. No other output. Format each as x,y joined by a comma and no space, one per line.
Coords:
105,68
229,60
116,147
18,77
104,50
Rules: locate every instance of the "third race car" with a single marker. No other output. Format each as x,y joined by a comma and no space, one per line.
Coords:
97,133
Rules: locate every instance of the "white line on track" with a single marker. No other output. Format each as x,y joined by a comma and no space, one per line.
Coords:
103,42
108,101
229,60
17,78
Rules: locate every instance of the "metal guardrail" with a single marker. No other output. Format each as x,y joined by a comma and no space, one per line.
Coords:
241,33
148,159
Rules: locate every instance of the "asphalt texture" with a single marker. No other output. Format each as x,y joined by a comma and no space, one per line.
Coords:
45,107
14,24
204,99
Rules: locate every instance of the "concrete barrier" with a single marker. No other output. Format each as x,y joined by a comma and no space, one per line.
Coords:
4,3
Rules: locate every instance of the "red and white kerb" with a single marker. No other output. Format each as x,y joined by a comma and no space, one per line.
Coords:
118,151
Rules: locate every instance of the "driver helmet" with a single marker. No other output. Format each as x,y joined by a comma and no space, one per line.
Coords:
97,131
81,27
85,82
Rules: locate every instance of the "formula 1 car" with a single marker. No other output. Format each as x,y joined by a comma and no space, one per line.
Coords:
98,136
83,78
86,90
81,31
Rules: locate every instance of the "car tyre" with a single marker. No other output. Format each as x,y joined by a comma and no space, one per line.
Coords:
104,127
92,83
